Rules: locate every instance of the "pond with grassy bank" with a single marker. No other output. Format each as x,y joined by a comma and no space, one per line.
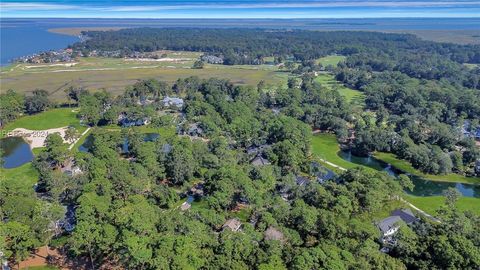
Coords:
426,192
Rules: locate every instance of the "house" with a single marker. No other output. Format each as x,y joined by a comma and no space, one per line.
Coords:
255,150
406,215
212,59
477,166
172,102
195,130
126,121
274,234
70,169
198,190
233,224
185,206
301,180
4,263
260,161
389,225
166,148
321,173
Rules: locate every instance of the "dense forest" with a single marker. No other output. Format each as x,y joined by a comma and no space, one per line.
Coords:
127,201
377,51
231,181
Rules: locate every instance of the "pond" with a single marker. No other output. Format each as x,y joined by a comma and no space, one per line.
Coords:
423,187
15,152
148,137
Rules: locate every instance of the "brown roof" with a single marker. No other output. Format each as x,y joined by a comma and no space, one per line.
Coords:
274,234
233,224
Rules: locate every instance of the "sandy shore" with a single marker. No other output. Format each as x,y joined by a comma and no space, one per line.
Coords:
36,138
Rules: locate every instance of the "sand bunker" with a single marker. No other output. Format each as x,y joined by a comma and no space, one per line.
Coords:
36,138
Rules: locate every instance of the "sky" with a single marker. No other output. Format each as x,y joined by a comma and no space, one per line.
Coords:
238,9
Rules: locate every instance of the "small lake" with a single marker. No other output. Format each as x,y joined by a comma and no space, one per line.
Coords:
422,187
148,137
15,152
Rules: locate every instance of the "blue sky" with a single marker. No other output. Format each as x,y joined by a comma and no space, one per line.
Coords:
238,9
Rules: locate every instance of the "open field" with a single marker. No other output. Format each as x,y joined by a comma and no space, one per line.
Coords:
433,203
325,146
22,178
330,60
53,118
451,36
405,166
353,96
114,74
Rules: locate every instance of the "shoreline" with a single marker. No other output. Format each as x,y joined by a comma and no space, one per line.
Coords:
76,31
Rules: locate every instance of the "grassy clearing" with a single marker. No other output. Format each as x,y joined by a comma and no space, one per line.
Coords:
405,166
331,60
432,203
325,146
352,96
22,177
114,74
53,118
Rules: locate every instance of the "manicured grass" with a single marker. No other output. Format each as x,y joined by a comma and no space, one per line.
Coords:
432,203
22,177
53,118
330,60
353,96
325,146
405,166
384,211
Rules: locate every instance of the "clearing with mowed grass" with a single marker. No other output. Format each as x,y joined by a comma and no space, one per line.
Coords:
53,118
354,97
407,167
325,146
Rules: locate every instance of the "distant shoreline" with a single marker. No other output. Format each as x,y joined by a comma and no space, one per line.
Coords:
76,31
464,36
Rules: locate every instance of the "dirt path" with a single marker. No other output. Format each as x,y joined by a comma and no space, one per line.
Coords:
81,136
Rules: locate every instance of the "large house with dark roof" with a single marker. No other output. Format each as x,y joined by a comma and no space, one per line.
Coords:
390,225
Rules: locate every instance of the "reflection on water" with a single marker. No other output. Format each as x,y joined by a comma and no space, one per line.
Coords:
15,152
149,137
422,187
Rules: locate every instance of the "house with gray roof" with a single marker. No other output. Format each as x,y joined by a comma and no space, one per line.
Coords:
389,225
260,161
172,102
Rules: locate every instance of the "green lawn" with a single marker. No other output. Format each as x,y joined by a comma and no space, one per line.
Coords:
22,177
330,60
53,118
405,166
325,146
355,97
432,203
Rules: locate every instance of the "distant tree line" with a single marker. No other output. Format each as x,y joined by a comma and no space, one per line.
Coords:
376,51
